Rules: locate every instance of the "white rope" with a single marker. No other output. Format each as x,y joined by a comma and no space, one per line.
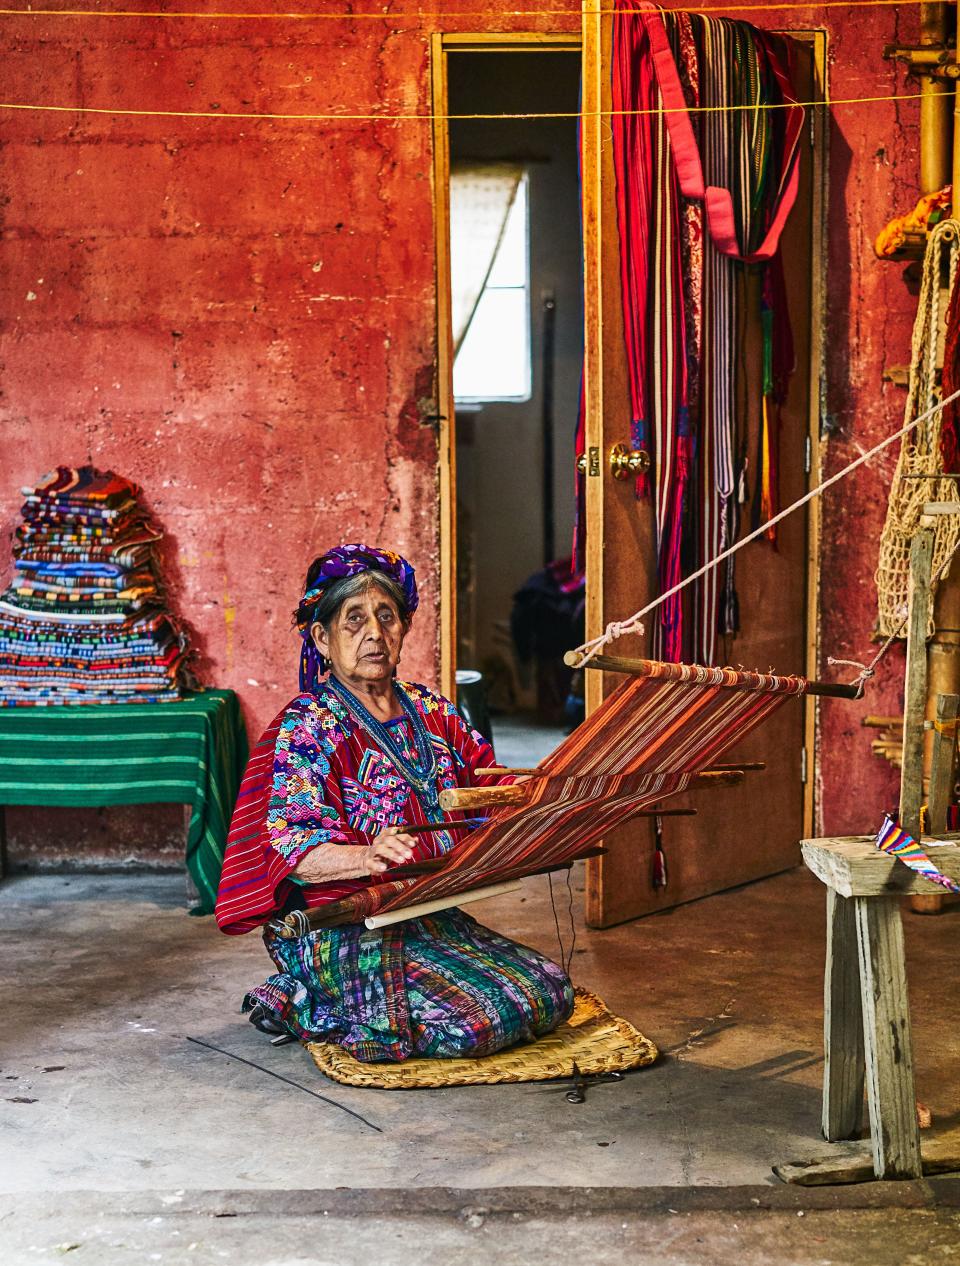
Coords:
920,455
634,623
869,670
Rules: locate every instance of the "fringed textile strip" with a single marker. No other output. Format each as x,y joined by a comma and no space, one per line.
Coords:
893,839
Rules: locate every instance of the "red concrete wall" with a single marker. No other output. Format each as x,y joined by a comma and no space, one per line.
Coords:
874,174
241,314
237,315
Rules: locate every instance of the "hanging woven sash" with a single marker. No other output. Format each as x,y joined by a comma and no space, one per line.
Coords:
779,363
736,166
648,213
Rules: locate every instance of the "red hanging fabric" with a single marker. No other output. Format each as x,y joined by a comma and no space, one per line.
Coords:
684,234
721,218
651,232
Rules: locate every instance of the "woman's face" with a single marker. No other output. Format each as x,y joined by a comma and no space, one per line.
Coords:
365,638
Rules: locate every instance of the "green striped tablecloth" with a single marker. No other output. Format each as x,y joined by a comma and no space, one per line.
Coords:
192,751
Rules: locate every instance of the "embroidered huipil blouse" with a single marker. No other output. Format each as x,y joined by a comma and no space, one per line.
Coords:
318,777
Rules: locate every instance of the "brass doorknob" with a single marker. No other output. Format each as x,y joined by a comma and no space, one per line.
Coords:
627,463
624,462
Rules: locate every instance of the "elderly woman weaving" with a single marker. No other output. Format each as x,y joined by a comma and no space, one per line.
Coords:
351,760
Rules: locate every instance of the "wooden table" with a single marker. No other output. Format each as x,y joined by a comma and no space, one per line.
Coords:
866,1026
187,751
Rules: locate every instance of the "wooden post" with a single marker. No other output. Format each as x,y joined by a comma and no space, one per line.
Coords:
943,761
842,1024
888,1048
915,682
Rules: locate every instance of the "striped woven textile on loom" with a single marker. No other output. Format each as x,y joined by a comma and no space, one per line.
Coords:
648,740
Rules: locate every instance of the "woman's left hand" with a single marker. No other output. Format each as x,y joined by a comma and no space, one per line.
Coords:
390,848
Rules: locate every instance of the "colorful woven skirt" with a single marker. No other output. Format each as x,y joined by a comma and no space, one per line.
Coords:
442,986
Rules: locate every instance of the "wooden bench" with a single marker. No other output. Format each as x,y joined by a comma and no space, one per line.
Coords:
866,1013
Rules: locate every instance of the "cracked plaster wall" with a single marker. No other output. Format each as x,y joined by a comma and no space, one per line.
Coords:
240,315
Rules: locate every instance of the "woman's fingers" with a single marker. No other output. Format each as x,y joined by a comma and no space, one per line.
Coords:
389,848
398,847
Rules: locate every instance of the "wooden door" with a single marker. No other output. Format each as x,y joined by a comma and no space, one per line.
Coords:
739,833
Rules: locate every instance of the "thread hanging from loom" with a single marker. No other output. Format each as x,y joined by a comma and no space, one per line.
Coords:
566,960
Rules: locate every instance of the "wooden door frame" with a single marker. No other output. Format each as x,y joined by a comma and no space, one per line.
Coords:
596,137
441,46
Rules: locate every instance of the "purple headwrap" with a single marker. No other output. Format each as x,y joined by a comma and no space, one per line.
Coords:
347,560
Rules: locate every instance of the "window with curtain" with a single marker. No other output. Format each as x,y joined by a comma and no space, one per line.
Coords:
490,276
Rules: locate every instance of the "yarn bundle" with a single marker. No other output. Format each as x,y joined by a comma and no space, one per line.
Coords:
83,620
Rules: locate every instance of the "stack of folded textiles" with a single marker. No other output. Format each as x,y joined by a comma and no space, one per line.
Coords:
83,619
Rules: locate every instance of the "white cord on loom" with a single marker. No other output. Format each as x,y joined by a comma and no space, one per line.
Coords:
634,624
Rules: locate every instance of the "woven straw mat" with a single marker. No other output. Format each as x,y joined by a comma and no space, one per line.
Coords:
594,1038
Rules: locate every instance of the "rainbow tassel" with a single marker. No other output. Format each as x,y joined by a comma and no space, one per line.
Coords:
893,839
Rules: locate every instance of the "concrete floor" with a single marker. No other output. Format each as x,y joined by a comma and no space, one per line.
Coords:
521,740
107,976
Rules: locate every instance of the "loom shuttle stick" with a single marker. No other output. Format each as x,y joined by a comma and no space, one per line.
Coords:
432,828
440,903
430,865
642,667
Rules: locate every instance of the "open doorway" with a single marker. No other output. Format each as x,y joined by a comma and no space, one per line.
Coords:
515,359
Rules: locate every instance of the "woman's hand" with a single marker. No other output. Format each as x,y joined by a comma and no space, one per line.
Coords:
390,848
327,862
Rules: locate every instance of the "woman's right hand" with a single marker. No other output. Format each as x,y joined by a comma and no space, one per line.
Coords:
390,848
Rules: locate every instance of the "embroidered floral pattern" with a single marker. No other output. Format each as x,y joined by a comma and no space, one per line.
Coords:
331,784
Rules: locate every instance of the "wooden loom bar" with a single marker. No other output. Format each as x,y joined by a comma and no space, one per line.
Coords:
291,926
642,667
468,824
470,798
431,865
